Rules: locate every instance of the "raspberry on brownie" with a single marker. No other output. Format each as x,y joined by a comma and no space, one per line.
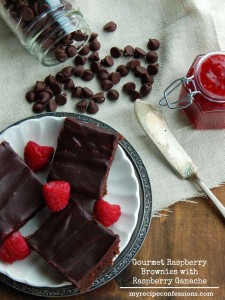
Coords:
20,192
77,245
83,157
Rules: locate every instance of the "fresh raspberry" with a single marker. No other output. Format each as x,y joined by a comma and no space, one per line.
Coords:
37,157
106,213
56,194
14,248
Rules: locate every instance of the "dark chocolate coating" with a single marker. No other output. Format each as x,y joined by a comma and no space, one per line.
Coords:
76,245
83,157
20,192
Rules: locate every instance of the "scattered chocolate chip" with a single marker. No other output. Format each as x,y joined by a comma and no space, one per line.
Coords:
80,60
134,95
94,45
110,26
133,64
79,36
81,106
140,71
113,95
92,107
60,77
68,71
44,97
147,79
139,53
103,74
152,57
107,61
51,106
85,50
86,92
123,70
87,75
116,52
71,50
94,56
106,85
56,88
48,90
60,54
26,13
61,99
153,69
77,92
129,86
145,89
128,51
98,97
50,79
38,108
115,77
93,36
39,86
153,44
78,71
69,84
95,66
31,96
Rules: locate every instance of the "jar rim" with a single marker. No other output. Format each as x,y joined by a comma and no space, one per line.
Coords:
208,95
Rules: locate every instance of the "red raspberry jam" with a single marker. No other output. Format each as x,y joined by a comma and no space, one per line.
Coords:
208,108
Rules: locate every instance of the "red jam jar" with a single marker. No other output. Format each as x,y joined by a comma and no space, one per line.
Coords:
202,95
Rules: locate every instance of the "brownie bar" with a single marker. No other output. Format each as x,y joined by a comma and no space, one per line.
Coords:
20,192
83,157
76,245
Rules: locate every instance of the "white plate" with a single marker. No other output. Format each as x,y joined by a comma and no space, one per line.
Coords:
122,186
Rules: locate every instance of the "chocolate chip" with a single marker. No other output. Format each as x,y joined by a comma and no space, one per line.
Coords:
147,79
94,56
115,77
61,99
94,45
103,74
107,61
50,79
81,106
44,97
106,85
39,86
67,40
71,51
93,36
78,71
48,90
129,86
26,13
86,92
123,70
51,106
139,53
79,36
133,64
152,57
60,54
68,71
85,50
80,60
113,95
145,89
38,108
128,51
88,75
134,95
95,66
153,44
69,84
56,88
140,71
110,26
77,92
60,77
92,107
31,96
42,8
116,52
153,69
98,97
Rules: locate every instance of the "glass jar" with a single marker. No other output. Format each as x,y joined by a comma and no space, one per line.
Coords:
202,95
52,30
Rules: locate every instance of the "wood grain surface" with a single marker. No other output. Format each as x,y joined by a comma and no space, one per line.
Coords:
192,231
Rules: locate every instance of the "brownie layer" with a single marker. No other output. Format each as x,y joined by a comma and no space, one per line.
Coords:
20,192
83,157
76,245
